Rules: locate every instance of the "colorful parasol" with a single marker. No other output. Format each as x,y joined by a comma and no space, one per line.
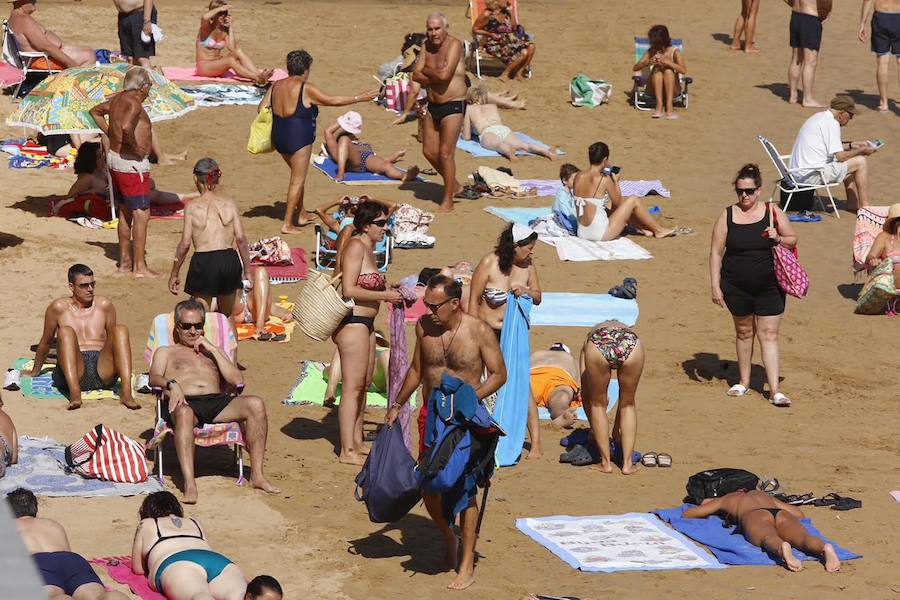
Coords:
60,103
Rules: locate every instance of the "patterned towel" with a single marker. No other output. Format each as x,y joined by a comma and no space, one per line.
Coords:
213,434
223,94
42,388
869,223
640,188
275,326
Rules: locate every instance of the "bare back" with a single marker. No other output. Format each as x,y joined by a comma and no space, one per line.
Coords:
196,373
556,358
152,555
213,222
90,325
130,131
126,6
436,58
286,94
816,8
483,116
42,535
887,6
461,355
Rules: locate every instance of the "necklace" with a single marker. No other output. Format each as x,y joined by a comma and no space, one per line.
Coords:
446,348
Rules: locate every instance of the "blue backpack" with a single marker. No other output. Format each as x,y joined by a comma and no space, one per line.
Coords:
389,485
445,463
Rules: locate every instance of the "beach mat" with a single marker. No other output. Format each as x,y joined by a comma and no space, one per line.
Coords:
289,273
119,569
566,309
628,187
329,167
42,388
189,74
311,384
223,93
629,542
733,548
40,469
475,148
612,392
274,326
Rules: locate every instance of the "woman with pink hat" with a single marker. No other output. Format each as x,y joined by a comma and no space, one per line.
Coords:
350,154
887,244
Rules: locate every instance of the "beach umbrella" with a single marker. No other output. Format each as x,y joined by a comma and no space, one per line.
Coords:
61,103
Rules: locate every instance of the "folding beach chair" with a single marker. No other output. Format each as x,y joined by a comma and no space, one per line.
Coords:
326,249
23,61
218,330
474,55
788,182
642,95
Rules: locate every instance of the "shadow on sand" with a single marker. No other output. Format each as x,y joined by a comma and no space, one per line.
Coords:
706,366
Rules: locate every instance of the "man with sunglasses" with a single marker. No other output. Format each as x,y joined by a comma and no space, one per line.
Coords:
462,346
92,349
819,156
200,381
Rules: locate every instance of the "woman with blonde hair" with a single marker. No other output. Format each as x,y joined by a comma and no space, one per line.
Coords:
218,50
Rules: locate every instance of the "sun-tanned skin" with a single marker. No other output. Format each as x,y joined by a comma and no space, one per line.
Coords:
777,535
746,26
127,6
199,367
34,37
344,148
560,399
481,116
83,322
8,431
215,62
802,69
883,61
463,346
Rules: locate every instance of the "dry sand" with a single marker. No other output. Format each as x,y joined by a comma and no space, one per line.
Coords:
839,436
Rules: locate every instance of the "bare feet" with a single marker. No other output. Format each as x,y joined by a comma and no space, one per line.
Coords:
397,156
264,76
883,106
832,562
171,159
190,494
411,173
340,176
260,483
130,402
664,233
603,467
74,404
145,272
504,76
790,561
364,450
536,451
553,152
520,76
295,228
811,104
125,268
735,46
566,419
751,50
461,581
630,469
352,458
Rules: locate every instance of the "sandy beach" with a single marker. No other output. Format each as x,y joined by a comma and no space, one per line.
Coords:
839,369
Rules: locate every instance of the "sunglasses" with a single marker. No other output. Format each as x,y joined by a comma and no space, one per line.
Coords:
380,223
188,326
745,191
436,307
87,285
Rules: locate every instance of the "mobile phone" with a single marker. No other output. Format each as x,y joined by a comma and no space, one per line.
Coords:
876,143
611,170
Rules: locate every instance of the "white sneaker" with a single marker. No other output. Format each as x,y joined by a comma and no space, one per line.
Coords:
142,384
11,380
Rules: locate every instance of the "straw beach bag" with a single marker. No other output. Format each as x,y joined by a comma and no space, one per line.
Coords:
319,308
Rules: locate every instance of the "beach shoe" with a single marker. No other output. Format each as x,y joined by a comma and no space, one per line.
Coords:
837,502
656,115
468,193
654,210
780,400
673,117
664,460
428,171
682,231
796,499
142,383
805,216
11,380
737,390
581,456
650,459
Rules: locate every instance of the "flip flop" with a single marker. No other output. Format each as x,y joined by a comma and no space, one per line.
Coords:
672,117
780,400
737,390
664,460
797,499
656,115
837,502
468,193
681,231
650,459
769,486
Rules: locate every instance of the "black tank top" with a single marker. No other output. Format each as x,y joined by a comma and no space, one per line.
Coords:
748,255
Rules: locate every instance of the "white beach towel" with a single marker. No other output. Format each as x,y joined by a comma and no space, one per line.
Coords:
577,249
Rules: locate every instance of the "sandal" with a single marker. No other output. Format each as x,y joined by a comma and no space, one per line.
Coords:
795,499
780,400
664,460
682,231
737,390
769,486
837,502
468,193
650,459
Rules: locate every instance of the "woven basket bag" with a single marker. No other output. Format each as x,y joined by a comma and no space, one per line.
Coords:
319,308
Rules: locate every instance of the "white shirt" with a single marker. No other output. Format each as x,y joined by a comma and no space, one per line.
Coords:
818,140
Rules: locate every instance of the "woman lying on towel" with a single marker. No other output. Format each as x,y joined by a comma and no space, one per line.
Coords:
344,147
174,554
887,243
217,47
770,524
484,119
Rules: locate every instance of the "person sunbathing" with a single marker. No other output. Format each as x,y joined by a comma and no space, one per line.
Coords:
175,555
34,37
218,50
556,386
345,148
9,441
484,119
65,573
887,243
256,306
770,524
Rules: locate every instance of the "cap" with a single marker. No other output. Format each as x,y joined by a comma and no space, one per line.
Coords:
351,122
845,103
521,232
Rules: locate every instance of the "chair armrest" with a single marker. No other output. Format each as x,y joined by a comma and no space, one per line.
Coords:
33,54
689,80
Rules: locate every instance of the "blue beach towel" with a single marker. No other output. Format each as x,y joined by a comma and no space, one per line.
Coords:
520,214
474,148
511,410
564,309
733,548
330,168
612,393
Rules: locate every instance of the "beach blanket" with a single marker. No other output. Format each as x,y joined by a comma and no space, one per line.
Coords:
40,469
216,329
84,206
612,393
568,309
312,382
511,408
9,75
223,94
733,548
275,326
869,223
327,166
475,148
190,74
640,188
289,273
27,154
119,569
629,542
42,388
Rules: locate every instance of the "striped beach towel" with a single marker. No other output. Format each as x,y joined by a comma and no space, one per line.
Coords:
869,223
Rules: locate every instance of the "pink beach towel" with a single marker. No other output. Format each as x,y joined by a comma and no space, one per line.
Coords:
9,75
119,568
290,273
190,74
869,223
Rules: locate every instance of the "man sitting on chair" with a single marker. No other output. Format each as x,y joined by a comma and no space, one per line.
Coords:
34,37
93,350
198,376
819,145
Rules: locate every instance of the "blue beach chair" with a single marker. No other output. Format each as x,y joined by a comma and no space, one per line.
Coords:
326,249
642,96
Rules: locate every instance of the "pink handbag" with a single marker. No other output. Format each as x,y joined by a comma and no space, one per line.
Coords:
789,273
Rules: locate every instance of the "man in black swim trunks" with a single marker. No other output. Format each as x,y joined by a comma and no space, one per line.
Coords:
885,40
136,17
65,573
441,70
193,372
807,17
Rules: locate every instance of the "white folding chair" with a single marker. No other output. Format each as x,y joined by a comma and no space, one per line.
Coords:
14,55
788,182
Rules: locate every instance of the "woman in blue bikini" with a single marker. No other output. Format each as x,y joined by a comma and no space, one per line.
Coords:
217,47
295,107
174,554
345,148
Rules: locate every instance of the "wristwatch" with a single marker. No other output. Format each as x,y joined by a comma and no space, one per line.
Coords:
169,384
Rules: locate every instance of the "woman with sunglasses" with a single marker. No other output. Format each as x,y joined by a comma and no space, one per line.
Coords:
355,336
742,274
217,47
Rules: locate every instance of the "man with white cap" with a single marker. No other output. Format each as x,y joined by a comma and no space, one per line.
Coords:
343,145
820,156
555,386
34,37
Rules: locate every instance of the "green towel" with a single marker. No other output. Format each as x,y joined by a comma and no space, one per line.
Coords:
310,387
42,388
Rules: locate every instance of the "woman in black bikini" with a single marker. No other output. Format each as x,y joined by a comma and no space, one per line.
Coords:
355,337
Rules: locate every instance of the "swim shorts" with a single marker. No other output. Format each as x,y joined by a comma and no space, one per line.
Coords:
90,379
66,570
886,33
545,380
214,273
131,24
206,407
806,31
131,181
835,172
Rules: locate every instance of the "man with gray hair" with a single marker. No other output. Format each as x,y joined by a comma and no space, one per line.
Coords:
130,143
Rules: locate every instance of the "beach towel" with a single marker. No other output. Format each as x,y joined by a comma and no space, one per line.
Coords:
629,542
119,569
612,393
211,434
511,408
28,154
640,188
869,223
40,469
216,329
289,273
190,74
327,166
475,148
97,206
42,388
733,548
568,309
224,94
9,75
312,382
398,363
274,326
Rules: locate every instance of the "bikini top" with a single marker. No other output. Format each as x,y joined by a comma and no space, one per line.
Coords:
372,281
163,538
494,297
210,43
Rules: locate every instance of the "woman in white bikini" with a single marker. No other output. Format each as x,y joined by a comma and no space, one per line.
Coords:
217,47
508,268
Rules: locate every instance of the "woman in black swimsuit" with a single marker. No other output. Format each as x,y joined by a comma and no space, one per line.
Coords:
742,274
295,107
